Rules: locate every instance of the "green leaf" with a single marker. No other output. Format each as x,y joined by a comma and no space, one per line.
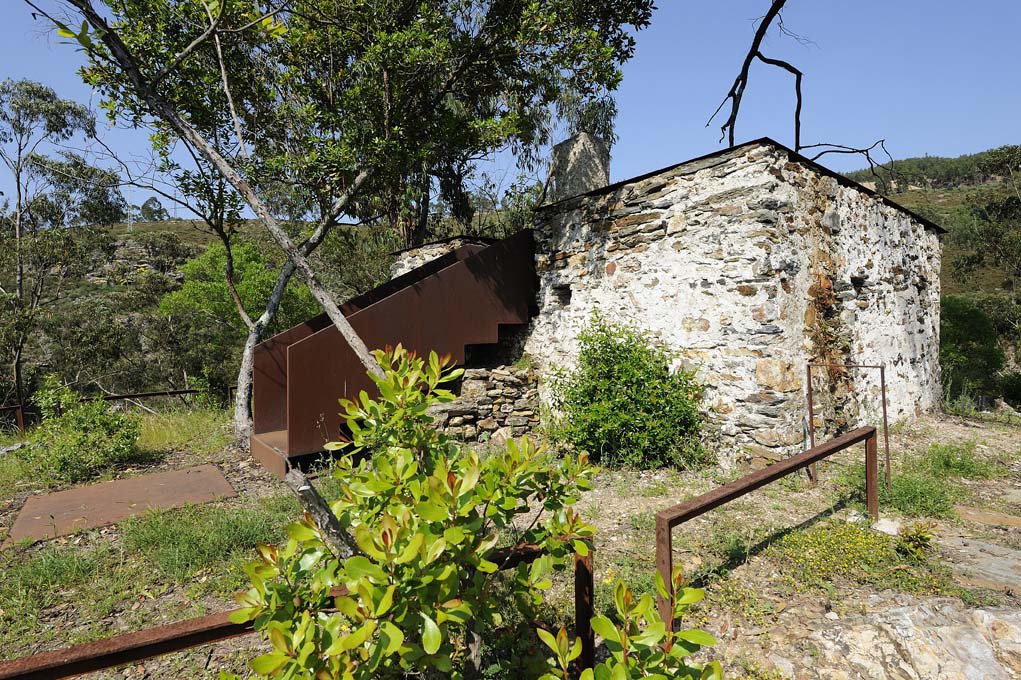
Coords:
453,535
300,531
699,637
431,636
394,635
386,601
267,663
360,567
605,628
410,550
548,638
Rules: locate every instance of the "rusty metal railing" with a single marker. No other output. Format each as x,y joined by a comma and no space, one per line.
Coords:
667,519
19,409
176,637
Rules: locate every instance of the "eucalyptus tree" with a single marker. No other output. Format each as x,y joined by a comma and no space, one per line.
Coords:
343,100
47,228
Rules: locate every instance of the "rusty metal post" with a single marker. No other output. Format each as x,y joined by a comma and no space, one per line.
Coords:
813,472
584,598
665,567
871,474
886,425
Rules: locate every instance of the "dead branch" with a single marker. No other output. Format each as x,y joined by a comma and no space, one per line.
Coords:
882,180
736,92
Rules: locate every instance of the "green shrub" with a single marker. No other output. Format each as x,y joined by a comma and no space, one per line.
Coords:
625,407
78,438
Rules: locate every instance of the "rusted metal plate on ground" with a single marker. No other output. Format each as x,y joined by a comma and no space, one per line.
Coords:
96,505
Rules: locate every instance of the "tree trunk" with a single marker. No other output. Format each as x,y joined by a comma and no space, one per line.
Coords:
243,400
243,417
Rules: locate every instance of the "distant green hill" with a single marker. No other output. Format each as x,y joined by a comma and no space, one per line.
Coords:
188,231
945,191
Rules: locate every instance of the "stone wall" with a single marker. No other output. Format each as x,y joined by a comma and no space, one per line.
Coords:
493,405
413,258
749,265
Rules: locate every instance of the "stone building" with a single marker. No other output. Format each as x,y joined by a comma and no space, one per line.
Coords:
751,263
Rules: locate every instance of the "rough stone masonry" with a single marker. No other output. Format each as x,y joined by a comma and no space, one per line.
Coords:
750,263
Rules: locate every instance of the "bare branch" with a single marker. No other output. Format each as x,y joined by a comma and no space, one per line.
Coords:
882,182
741,82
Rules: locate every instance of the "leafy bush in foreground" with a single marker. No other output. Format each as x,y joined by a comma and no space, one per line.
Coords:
78,438
427,516
625,406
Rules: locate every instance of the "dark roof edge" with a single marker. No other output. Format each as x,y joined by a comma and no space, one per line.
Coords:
791,153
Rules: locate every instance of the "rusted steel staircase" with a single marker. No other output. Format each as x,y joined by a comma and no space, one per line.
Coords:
458,300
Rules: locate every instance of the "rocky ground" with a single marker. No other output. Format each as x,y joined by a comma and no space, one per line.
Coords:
958,616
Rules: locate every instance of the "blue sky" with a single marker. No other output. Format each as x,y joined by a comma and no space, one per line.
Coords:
930,76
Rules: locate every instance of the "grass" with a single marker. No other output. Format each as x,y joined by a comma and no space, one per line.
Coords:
201,431
201,547
927,485
183,543
16,474
93,581
957,460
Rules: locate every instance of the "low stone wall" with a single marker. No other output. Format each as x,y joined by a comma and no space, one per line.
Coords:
494,404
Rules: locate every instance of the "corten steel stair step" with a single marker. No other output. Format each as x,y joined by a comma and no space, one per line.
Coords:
459,300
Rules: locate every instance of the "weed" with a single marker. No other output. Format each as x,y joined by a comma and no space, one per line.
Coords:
643,522
915,540
912,493
752,670
833,550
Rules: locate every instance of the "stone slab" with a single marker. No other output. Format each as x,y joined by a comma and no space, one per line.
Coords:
96,505
984,564
990,517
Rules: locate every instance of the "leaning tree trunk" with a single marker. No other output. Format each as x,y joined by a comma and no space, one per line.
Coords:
243,416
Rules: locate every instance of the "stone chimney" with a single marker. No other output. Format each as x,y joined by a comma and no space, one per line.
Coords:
580,164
